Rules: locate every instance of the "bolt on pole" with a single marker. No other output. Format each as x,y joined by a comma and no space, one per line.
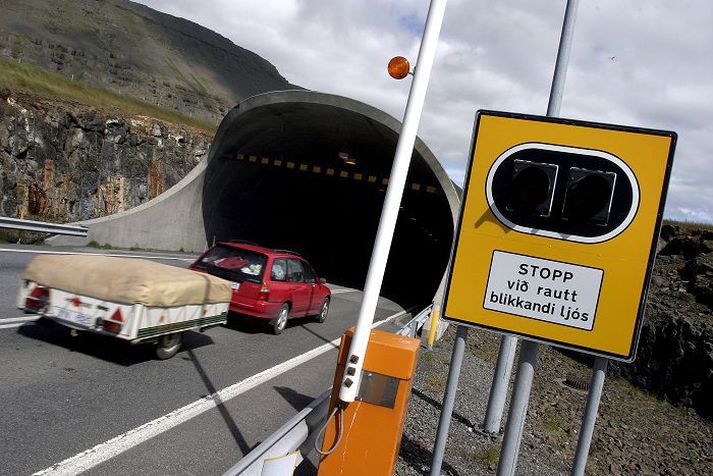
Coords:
529,350
390,211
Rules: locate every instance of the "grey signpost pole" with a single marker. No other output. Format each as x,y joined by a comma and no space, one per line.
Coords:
499,387
518,408
590,416
444,421
529,350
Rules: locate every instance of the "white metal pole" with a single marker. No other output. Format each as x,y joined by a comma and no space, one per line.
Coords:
389,213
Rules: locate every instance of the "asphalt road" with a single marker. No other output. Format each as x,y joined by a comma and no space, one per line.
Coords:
63,395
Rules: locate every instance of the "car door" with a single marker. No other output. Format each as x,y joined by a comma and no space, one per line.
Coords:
301,291
310,278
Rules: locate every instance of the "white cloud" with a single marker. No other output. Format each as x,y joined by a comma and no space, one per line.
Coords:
637,63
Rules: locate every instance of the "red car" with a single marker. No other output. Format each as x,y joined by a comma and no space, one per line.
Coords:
267,284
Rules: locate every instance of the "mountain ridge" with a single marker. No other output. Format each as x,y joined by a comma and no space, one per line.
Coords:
134,50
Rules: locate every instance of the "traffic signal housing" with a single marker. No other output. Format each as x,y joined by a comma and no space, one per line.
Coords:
562,192
532,187
588,197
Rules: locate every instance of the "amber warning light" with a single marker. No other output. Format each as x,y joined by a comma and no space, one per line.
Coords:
399,67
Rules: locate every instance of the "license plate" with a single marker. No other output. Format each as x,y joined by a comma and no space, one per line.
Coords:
75,317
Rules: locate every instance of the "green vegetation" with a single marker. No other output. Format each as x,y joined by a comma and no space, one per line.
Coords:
487,456
435,383
46,83
552,422
7,237
94,244
17,236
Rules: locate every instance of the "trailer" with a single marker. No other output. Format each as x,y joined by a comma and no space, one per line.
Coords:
135,300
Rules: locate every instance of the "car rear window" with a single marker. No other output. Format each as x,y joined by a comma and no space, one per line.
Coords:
235,264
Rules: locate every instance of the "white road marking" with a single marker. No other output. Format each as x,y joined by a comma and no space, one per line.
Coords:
26,318
12,322
113,255
109,449
342,291
12,326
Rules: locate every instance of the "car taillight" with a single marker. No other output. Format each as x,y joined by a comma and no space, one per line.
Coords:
38,298
113,324
264,294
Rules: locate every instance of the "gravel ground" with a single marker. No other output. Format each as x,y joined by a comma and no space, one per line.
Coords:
636,433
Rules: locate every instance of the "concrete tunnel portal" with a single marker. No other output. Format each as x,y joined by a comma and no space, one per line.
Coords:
308,172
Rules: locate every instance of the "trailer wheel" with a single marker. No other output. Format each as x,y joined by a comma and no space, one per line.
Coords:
168,345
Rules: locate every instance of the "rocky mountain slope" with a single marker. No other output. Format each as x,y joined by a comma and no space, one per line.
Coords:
675,357
134,50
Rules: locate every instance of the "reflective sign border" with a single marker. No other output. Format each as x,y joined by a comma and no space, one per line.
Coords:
652,252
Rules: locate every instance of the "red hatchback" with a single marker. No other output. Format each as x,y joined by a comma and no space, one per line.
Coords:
289,289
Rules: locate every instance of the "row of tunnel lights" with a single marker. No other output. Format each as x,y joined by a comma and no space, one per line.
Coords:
318,169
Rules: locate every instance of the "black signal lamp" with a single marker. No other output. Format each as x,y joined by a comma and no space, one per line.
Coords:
588,196
532,187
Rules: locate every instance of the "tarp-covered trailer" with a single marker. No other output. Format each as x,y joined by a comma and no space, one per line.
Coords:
131,299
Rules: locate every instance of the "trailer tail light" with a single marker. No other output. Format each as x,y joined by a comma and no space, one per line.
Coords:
264,294
38,298
113,324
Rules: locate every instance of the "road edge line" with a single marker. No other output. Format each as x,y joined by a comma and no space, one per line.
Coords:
113,447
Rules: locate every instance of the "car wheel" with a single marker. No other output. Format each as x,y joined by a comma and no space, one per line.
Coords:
168,345
280,321
323,310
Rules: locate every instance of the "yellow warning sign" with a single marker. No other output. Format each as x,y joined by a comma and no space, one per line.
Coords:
557,231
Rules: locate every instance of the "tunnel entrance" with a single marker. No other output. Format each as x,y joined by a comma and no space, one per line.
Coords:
308,172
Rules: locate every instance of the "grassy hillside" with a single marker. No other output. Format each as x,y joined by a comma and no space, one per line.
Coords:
52,85
130,49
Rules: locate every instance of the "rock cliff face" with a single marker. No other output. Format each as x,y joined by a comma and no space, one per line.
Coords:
675,356
65,162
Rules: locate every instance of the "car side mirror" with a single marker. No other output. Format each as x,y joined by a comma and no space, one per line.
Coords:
322,281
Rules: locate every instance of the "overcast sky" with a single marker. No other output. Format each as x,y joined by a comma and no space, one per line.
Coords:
646,63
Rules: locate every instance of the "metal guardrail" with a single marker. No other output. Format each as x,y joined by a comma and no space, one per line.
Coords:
42,227
410,329
300,431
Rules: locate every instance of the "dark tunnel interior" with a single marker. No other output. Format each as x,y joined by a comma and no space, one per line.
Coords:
312,178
